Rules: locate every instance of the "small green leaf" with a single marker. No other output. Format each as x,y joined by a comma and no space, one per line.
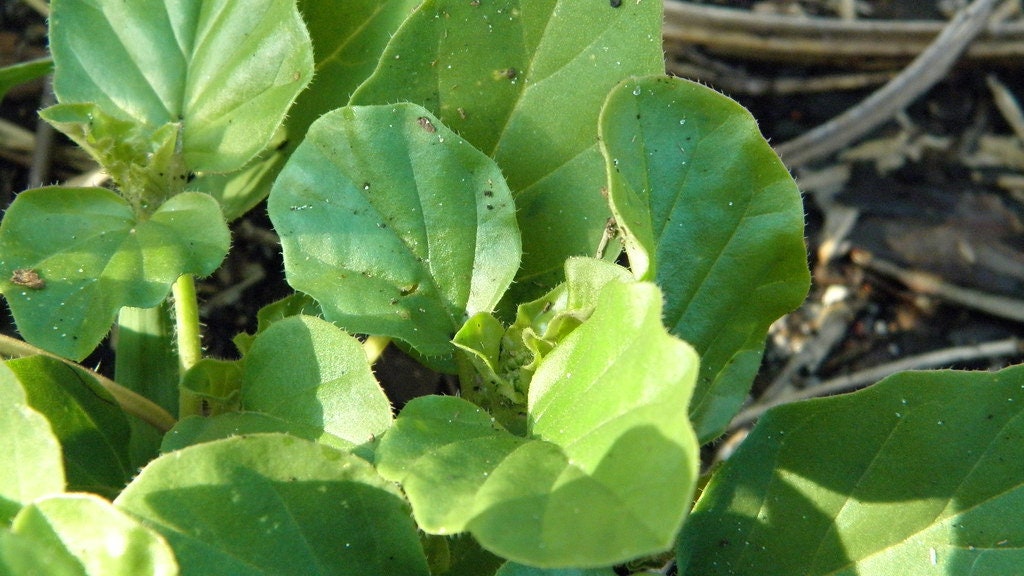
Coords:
197,429
22,72
141,160
922,473
227,70
396,225
218,384
610,463
292,305
710,213
89,424
274,504
505,359
30,463
87,255
524,83
101,539
309,372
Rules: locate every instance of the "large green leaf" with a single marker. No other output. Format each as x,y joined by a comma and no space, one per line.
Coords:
307,371
82,253
198,429
922,473
395,225
274,504
226,70
610,462
90,426
710,213
86,530
30,463
524,81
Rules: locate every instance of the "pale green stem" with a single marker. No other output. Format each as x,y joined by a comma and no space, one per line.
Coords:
374,346
190,348
131,402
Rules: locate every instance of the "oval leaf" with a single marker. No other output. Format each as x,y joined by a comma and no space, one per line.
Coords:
30,463
228,70
198,429
89,424
710,213
306,371
527,94
72,257
395,225
611,462
274,504
101,539
919,474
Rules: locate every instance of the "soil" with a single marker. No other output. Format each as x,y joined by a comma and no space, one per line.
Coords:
914,231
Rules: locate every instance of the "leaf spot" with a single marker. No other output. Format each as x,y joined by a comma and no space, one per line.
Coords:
28,278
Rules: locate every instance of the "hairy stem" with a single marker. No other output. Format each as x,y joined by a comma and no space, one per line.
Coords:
190,349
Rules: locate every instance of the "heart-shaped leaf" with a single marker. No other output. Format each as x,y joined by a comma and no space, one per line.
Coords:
610,462
710,213
85,531
395,225
307,371
527,93
90,426
70,258
275,504
30,463
922,473
226,70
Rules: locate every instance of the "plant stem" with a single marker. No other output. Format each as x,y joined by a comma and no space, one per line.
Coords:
131,402
190,349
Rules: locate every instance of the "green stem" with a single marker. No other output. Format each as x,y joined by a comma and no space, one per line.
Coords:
190,349
131,402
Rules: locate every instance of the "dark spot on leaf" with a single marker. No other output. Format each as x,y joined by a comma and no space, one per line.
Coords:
405,291
394,301
381,225
490,206
488,193
616,3
28,278
426,124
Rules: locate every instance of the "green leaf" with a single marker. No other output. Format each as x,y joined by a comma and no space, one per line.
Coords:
919,474
275,504
610,463
218,384
292,305
102,540
397,226
22,555
524,83
307,371
346,51
711,214
196,430
30,463
513,569
504,360
90,426
227,70
22,72
91,256
143,161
